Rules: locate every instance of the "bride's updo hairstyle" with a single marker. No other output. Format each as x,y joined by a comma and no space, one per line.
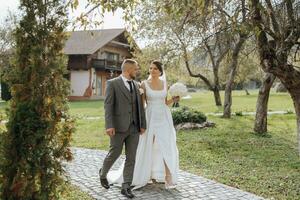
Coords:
159,66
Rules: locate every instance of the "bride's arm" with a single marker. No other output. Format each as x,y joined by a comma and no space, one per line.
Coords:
144,99
170,101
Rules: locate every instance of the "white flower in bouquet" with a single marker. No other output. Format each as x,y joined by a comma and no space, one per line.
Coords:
178,89
141,90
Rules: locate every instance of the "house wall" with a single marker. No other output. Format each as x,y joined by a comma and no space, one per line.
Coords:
79,82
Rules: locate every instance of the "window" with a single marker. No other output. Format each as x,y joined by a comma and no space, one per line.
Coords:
112,56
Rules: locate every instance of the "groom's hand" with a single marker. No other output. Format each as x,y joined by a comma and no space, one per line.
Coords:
142,131
110,131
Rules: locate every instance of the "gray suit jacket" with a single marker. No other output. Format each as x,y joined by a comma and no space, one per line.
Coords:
117,106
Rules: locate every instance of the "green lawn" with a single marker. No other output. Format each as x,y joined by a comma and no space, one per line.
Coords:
2,107
72,192
202,101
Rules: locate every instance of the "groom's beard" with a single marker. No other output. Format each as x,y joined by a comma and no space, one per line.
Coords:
132,76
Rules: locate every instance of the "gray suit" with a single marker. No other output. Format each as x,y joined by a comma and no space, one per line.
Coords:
124,112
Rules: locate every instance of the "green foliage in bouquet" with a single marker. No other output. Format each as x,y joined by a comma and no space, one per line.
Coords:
39,128
185,114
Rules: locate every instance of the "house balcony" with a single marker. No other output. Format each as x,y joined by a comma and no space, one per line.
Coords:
104,64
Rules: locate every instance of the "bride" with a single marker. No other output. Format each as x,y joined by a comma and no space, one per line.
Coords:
157,154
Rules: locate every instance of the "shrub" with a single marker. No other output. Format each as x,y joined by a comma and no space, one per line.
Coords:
39,128
239,113
5,92
185,114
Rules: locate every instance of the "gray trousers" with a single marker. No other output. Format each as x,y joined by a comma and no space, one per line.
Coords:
131,140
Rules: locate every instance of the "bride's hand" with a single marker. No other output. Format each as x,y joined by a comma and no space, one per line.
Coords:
142,131
176,99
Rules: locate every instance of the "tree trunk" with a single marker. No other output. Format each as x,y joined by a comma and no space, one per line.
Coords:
293,86
211,87
295,94
217,96
247,92
229,84
260,125
274,53
228,94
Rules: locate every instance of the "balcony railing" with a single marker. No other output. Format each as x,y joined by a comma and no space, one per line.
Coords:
104,64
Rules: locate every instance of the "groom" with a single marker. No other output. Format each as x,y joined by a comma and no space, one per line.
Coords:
124,119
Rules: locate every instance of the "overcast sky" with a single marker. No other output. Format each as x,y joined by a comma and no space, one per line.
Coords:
110,20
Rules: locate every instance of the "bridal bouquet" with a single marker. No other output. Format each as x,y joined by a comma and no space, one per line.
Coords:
178,89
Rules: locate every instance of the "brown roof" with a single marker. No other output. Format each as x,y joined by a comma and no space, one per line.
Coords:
89,41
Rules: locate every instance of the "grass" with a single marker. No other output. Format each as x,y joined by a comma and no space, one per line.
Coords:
72,192
87,108
232,154
90,134
202,101
3,105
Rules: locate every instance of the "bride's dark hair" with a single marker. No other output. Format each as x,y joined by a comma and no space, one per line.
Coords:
159,66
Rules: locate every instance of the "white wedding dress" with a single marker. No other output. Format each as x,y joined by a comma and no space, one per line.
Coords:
157,145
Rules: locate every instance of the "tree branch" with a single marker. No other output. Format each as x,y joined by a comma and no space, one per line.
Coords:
290,12
273,17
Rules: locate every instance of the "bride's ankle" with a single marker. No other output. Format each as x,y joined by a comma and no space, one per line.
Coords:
169,183
168,179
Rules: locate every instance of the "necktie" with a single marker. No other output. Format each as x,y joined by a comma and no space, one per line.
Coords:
130,85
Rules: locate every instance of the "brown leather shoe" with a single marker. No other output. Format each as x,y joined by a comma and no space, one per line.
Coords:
127,193
103,181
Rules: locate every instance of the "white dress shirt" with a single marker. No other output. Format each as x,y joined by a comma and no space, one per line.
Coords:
125,82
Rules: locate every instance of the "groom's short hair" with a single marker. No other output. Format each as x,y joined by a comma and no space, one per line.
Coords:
126,62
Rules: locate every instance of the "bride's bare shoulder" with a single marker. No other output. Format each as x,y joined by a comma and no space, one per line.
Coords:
143,83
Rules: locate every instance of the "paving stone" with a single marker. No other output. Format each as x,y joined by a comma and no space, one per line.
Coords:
83,172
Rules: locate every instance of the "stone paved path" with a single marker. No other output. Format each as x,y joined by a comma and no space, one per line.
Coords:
83,172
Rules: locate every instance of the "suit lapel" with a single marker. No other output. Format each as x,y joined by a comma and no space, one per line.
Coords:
123,87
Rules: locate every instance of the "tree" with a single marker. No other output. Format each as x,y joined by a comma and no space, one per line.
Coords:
277,30
7,47
39,128
261,116
186,35
235,16
248,69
